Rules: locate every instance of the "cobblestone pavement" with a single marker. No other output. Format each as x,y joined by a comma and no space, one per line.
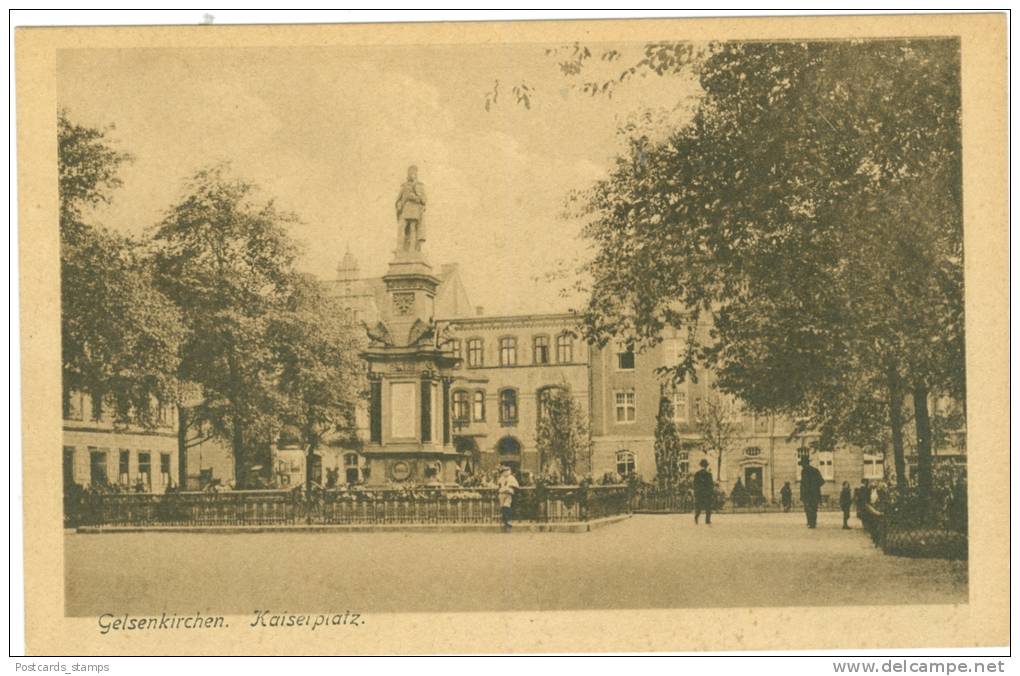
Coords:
648,561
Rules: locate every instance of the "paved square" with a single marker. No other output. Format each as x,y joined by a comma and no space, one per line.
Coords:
648,561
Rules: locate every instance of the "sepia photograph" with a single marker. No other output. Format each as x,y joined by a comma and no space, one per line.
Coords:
580,321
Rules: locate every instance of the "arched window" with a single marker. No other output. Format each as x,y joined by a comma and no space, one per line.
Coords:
508,407
544,396
508,446
508,351
625,462
564,348
478,406
541,350
461,407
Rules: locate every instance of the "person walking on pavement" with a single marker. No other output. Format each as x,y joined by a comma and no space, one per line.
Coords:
505,487
786,496
845,500
704,493
810,490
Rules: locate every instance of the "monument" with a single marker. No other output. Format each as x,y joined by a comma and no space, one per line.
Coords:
410,367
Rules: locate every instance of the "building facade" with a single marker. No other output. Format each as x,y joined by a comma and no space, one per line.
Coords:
503,365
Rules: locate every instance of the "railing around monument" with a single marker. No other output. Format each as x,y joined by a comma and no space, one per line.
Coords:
379,506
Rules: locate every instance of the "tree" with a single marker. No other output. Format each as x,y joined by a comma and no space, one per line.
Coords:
225,259
563,437
119,334
715,426
811,211
322,376
668,447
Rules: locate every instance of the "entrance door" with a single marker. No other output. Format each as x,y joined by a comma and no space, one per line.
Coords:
753,480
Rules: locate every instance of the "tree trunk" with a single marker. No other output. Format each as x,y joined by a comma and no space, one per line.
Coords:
182,447
922,424
237,436
895,391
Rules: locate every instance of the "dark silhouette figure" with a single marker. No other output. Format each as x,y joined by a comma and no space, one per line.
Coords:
704,493
845,500
786,496
811,482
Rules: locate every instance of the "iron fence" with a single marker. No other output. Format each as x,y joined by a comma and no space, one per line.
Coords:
668,501
328,507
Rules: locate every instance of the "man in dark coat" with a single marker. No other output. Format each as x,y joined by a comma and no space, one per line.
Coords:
704,493
811,482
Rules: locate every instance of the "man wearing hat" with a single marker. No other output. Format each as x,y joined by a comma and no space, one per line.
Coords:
704,493
811,482
505,487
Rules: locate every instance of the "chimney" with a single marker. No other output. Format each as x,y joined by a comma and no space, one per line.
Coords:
479,310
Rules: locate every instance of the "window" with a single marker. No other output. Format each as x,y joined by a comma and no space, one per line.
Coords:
476,355
624,462
478,406
508,407
678,410
564,348
697,408
68,466
461,407
544,397
97,407
541,351
164,469
145,469
73,408
803,452
752,452
684,463
508,446
352,474
625,359
508,352
671,352
626,409
164,413
825,464
457,347
874,467
97,467
124,468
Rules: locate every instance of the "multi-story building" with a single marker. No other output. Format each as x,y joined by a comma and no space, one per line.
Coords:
506,362
99,451
761,452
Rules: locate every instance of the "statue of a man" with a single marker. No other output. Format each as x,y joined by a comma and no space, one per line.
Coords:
411,212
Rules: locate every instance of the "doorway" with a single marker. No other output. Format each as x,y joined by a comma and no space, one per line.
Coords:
753,480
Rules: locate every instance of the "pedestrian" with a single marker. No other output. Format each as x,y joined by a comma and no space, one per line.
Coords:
810,490
704,493
505,487
861,497
786,496
845,500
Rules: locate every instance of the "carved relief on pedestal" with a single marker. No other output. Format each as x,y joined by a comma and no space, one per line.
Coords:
403,304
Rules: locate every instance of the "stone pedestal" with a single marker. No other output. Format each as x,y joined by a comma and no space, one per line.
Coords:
410,375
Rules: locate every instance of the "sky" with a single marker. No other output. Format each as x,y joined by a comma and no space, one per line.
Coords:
328,132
